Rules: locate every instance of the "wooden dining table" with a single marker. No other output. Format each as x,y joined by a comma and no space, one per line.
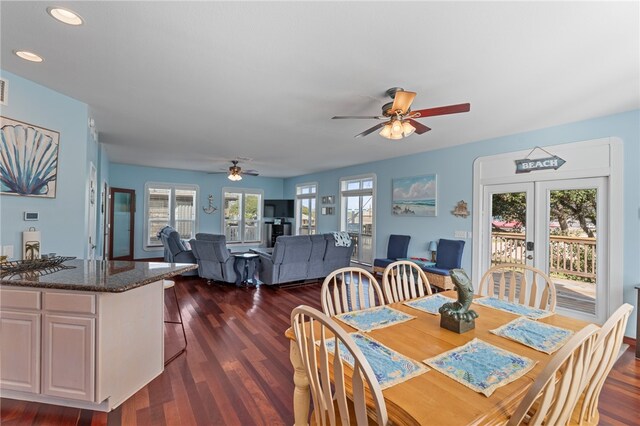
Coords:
432,397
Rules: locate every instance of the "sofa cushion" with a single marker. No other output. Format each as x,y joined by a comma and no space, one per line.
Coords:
316,257
438,271
398,246
383,263
449,254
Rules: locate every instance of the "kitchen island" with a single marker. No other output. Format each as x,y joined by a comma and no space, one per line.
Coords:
88,334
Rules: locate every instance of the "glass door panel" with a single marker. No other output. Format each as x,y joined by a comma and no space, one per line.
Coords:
359,224
122,223
232,210
252,217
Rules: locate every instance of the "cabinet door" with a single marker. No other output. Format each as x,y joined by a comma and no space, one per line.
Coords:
20,351
69,357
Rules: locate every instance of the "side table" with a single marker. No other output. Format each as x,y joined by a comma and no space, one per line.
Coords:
245,266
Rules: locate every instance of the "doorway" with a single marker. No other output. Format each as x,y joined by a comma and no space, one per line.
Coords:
93,206
357,216
122,218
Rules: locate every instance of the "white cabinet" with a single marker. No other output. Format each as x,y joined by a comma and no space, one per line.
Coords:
68,357
20,351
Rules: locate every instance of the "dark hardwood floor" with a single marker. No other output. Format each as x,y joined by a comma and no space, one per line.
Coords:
236,370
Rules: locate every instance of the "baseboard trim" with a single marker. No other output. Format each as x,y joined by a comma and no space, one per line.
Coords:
629,341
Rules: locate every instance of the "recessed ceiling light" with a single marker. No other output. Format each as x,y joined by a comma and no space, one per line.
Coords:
65,15
29,56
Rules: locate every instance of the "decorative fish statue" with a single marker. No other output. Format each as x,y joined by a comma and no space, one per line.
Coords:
460,310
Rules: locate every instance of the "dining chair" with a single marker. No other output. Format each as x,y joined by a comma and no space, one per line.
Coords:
556,390
519,283
404,280
327,379
350,289
605,353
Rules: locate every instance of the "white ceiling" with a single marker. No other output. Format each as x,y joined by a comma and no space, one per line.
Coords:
191,85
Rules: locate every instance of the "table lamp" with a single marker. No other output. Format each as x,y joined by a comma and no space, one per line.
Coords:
433,248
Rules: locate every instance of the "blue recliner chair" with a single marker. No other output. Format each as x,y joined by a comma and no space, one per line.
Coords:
174,249
214,259
397,249
448,257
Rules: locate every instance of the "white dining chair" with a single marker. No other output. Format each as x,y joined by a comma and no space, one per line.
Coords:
521,284
350,289
403,280
604,355
553,395
328,382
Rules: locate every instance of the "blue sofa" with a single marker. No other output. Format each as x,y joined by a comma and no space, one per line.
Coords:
174,249
302,257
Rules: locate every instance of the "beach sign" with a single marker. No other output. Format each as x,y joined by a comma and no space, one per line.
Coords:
530,165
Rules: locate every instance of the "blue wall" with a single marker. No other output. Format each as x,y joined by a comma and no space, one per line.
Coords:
62,219
135,177
454,167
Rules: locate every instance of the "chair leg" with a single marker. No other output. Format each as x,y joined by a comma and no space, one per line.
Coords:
184,334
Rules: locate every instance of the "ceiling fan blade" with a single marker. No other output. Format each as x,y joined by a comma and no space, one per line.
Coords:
250,172
371,130
402,101
443,110
420,128
349,117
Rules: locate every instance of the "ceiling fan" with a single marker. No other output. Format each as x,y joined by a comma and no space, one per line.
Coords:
400,120
236,172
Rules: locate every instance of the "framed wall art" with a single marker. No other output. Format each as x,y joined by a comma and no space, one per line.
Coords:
415,196
28,160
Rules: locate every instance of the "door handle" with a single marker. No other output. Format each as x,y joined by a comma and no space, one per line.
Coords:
530,257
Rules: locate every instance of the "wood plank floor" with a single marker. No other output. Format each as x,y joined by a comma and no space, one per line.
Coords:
236,370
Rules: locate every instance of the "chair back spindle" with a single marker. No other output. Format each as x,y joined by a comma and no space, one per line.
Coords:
404,280
519,283
350,289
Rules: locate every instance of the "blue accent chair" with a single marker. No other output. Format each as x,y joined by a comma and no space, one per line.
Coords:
215,262
174,249
396,249
448,257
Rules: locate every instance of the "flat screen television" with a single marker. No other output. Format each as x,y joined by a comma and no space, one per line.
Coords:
278,208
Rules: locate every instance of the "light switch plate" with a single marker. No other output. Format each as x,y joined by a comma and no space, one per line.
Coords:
460,234
7,251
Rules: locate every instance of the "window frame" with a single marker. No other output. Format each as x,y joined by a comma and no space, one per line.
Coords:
172,187
241,222
298,211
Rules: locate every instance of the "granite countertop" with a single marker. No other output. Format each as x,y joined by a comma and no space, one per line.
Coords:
113,276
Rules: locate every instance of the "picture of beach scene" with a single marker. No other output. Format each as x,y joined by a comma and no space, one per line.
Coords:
414,196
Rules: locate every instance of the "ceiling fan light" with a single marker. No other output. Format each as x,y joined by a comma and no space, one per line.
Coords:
396,127
396,136
407,128
386,131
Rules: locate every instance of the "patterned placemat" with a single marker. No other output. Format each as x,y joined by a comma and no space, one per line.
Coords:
537,335
374,318
513,308
429,304
389,366
481,366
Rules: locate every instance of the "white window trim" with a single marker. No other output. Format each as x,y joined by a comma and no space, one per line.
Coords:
172,187
606,160
305,197
260,209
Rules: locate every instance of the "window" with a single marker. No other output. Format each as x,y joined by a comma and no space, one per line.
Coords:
173,205
357,201
242,215
306,211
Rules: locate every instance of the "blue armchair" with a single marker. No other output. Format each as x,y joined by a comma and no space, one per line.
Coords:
214,259
174,249
396,249
448,257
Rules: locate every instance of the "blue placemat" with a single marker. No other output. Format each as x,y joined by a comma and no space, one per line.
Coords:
540,336
389,366
429,304
514,308
374,318
481,366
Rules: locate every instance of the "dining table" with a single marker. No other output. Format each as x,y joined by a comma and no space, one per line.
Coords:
433,397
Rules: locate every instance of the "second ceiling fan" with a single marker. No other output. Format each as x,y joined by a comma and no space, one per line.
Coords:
399,119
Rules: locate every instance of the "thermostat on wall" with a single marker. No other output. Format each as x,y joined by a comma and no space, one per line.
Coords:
31,215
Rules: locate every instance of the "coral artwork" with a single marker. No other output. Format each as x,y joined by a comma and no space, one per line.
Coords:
28,159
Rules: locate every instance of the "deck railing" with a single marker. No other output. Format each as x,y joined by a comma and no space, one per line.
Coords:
567,255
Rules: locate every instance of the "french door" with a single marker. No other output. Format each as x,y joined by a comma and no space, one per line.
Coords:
357,215
558,226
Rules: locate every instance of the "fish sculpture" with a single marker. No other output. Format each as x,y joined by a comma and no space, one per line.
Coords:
459,310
